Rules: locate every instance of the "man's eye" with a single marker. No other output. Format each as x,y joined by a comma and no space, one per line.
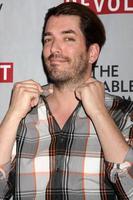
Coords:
69,39
46,40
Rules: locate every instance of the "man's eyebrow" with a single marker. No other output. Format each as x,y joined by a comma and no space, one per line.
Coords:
47,34
70,31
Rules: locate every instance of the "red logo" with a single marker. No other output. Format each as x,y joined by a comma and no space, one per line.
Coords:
107,6
6,72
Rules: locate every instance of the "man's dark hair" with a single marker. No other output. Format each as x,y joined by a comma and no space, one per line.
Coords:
90,24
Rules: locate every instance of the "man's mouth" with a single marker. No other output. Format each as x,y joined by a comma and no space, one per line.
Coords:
58,60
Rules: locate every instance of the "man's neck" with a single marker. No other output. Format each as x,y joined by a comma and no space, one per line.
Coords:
66,91
62,103
63,96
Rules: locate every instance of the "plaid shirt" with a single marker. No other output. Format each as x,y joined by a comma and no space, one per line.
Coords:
68,164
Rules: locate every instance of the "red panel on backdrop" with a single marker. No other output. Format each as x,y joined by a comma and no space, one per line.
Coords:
107,6
6,72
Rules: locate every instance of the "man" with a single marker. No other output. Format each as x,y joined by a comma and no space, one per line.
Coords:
73,140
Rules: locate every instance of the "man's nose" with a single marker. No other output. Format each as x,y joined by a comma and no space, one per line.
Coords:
55,47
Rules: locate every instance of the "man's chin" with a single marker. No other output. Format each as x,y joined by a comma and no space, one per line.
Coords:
57,80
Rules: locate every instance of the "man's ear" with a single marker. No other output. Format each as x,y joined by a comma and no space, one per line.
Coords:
93,53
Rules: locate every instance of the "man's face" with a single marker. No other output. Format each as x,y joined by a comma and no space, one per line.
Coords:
64,51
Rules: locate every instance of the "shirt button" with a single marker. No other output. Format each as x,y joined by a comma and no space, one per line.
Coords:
2,174
58,169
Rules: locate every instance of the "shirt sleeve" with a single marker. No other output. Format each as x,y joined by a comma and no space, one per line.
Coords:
4,174
7,177
121,174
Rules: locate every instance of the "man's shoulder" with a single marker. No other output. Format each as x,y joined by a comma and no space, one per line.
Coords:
118,104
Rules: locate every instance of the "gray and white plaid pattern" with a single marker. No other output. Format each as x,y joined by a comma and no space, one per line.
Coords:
67,164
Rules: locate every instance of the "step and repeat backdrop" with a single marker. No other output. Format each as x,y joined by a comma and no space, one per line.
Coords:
21,25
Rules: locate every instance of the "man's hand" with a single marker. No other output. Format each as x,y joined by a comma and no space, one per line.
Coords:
25,96
91,93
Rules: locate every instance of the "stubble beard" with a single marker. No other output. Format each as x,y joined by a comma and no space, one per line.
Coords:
76,76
